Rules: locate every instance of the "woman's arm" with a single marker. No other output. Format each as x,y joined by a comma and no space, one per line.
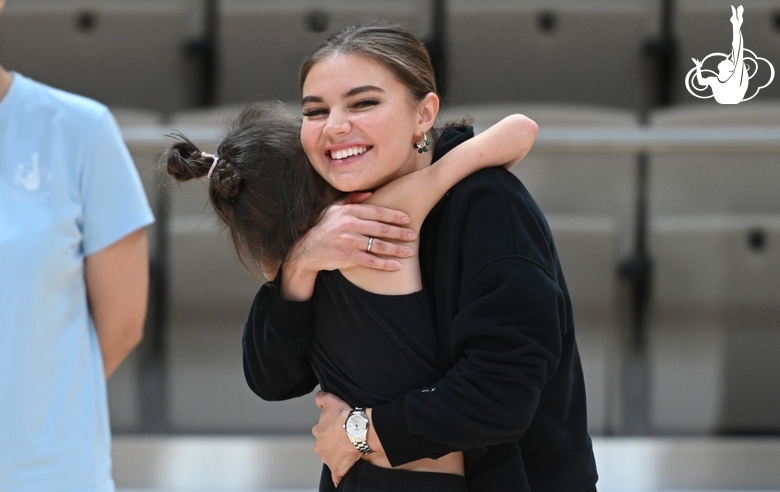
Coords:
508,322
277,341
506,342
504,143
117,280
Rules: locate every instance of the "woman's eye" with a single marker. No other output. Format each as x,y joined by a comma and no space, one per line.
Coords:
314,112
365,103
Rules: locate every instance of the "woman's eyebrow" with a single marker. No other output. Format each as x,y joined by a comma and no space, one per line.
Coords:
350,93
311,99
361,89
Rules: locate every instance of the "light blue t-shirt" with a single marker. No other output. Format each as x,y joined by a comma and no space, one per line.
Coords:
68,188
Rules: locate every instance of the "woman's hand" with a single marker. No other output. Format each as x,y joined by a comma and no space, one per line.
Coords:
332,444
340,240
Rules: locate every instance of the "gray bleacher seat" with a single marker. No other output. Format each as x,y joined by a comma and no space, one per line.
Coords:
220,116
121,52
585,52
715,339
588,199
124,387
209,298
215,117
702,27
146,162
714,336
261,45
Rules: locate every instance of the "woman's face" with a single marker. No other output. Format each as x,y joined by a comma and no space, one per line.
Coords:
360,124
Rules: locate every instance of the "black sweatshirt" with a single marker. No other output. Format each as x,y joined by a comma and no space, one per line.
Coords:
514,398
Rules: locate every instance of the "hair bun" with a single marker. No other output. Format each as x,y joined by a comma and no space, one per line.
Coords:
183,160
226,180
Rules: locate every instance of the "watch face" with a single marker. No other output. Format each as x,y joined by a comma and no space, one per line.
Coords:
356,425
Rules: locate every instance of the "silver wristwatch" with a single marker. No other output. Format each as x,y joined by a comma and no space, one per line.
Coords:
357,429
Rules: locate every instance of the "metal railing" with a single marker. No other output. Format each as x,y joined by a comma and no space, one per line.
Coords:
553,138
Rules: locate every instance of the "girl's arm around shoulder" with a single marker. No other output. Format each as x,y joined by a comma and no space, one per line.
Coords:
505,143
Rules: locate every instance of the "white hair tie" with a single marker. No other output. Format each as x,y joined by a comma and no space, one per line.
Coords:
213,164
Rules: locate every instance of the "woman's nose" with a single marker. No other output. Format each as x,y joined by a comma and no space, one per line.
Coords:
337,123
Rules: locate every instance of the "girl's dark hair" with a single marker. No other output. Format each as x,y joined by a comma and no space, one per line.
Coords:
263,187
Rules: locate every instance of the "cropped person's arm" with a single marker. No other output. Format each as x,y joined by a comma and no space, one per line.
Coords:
117,280
505,143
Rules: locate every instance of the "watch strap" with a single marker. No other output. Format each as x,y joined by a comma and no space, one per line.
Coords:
362,446
360,443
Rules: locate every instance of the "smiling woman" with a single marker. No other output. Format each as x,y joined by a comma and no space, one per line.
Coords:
365,132
352,103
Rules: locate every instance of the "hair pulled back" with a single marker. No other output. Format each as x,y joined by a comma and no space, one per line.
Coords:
392,45
263,187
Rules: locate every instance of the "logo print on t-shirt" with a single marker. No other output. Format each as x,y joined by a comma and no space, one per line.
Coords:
30,177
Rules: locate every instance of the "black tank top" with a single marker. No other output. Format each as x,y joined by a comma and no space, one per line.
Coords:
370,349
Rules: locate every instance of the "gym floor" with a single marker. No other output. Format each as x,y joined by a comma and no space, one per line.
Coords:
288,463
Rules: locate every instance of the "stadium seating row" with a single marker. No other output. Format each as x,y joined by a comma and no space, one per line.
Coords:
159,54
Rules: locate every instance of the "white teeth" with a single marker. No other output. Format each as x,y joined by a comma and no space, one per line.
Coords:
344,153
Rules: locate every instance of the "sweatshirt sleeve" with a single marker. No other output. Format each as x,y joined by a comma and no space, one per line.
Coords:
277,341
505,341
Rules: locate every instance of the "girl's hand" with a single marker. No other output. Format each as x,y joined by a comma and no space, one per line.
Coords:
697,62
340,240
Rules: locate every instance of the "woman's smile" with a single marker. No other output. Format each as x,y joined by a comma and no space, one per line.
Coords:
345,155
359,123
